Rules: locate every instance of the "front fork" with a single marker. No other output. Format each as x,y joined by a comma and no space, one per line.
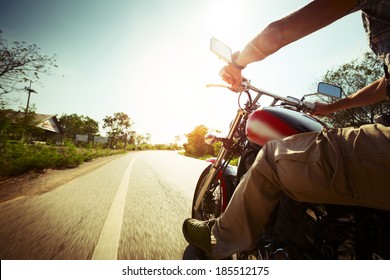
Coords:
216,166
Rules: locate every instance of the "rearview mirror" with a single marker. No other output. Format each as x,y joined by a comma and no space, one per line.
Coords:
329,90
223,51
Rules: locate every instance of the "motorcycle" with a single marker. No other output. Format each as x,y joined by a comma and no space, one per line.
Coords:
295,230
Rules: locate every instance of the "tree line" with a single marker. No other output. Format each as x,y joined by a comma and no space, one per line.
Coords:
119,128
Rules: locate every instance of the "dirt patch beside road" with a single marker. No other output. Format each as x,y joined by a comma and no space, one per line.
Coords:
37,183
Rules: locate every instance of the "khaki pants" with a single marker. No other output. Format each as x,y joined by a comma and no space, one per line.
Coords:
339,166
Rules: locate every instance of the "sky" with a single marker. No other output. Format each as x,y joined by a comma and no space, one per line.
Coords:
151,60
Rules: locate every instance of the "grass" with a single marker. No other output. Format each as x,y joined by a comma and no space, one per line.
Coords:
18,157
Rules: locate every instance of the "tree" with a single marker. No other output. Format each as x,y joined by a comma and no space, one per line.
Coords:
142,139
17,126
195,145
351,77
119,128
75,124
20,62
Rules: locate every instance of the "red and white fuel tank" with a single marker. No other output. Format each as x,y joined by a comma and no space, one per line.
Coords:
273,123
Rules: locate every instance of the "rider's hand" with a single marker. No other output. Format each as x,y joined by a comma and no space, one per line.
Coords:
321,109
231,74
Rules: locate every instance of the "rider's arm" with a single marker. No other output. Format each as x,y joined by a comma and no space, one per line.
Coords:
368,95
312,17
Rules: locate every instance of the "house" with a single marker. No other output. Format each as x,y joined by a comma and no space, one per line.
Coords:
48,125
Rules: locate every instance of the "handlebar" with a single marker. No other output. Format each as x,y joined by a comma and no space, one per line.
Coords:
300,104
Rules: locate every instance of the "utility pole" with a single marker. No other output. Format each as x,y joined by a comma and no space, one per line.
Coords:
29,91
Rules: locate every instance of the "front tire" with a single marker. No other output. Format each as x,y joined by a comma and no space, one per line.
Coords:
213,200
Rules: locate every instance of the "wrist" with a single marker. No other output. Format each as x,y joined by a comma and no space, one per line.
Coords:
234,62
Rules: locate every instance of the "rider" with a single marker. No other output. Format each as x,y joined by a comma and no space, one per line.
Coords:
348,166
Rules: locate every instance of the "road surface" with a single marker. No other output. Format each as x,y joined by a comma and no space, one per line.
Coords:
130,208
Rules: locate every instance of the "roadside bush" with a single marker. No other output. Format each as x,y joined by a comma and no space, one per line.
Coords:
18,157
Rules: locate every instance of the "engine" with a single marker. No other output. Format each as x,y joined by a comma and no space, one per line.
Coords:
315,231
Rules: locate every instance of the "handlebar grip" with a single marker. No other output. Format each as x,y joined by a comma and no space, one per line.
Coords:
308,107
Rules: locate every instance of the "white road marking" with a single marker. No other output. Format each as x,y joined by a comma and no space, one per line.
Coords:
108,243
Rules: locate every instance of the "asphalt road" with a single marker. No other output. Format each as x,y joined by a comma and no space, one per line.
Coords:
131,208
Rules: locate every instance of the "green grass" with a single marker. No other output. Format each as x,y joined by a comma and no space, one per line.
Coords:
17,158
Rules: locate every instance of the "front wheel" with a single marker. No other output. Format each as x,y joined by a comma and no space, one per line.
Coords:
214,199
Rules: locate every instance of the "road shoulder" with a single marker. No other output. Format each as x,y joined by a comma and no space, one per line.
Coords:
31,184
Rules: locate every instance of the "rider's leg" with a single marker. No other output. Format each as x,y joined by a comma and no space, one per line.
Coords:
340,166
343,166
